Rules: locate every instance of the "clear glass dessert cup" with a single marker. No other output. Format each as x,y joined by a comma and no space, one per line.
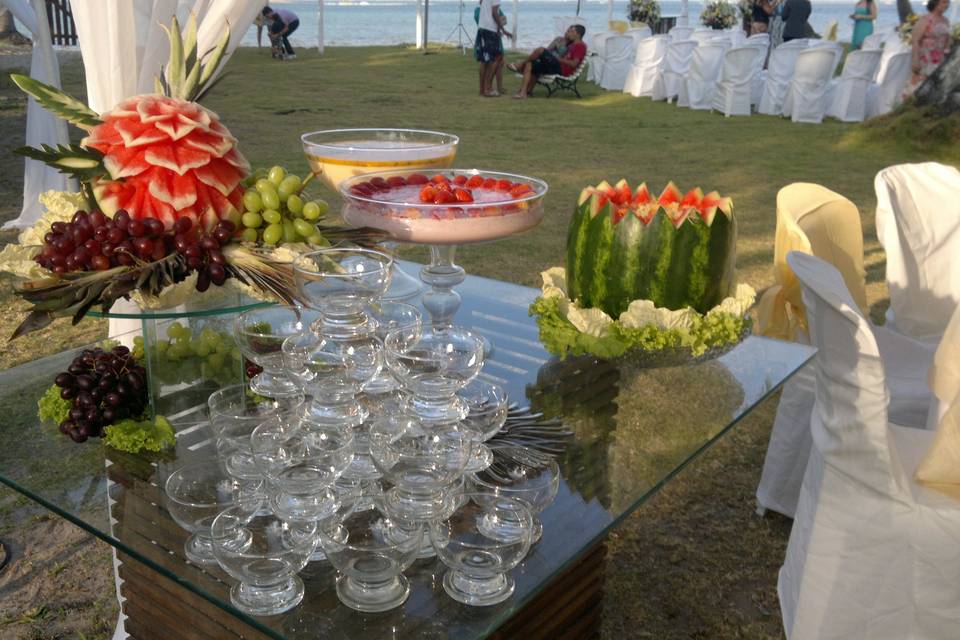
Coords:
422,462
302,465
536,488
486,414
389,316
340,284
196,494
433,365
478,562
260,334
371,552
265,553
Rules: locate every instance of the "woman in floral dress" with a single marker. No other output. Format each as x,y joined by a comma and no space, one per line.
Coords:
929,42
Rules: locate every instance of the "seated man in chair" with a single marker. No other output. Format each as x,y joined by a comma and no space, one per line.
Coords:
552,61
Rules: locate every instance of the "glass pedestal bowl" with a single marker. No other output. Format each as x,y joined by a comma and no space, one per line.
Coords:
264,553
478,562
387,201
196,494
302,465
486,414
389,316
371,553
337,154
260,334
536,488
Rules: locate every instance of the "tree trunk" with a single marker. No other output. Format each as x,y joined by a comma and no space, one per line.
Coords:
8,28
904,10
942,88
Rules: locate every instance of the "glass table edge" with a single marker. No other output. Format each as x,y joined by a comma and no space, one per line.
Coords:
139,557
166,314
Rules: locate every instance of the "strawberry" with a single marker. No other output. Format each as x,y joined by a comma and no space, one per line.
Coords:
504,185
396,181
417,178
437,179
460,180
474,182
443,186
519,190
463,195
379,184
490,183
444,197
428,193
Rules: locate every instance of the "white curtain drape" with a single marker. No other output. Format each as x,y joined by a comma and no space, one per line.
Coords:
42,126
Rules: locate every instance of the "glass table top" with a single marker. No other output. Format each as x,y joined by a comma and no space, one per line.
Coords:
634,429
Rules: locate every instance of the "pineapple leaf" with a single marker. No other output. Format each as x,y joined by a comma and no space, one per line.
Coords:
176,69
57,102
212,60
80,162
157,85
190,43
193,79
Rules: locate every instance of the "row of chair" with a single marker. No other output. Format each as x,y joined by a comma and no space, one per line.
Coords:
706,69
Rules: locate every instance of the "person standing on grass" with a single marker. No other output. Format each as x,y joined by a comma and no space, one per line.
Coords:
498,73
864,13
545,62
284,22
795,16
488,47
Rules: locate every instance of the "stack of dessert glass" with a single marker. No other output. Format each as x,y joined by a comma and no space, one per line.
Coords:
361,443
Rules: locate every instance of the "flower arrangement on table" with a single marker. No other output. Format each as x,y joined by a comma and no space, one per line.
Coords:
645,11
649,279
168,210
718,14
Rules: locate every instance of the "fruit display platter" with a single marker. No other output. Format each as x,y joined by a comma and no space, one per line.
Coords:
649,280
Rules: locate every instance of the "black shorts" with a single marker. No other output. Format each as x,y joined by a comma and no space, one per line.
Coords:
488,46
546,65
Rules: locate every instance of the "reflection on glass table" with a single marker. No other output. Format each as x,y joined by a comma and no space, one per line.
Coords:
634,429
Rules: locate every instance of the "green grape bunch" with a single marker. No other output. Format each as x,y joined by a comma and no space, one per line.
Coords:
188,356
275,212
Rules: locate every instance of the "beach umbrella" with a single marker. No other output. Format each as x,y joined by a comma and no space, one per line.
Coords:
42,126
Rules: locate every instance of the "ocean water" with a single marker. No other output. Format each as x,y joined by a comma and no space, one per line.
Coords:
390,22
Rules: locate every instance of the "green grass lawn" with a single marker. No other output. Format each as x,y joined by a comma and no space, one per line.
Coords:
694,562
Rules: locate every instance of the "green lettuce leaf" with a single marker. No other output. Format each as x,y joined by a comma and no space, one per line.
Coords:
135,436
51,407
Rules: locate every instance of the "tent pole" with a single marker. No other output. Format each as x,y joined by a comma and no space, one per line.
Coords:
320,27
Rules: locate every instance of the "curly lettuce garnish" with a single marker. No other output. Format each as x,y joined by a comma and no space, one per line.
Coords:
135,436
566,329
51,407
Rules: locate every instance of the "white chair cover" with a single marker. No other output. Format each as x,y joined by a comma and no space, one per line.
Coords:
806,99
638,34
874,41
779,73
944,375
647,65
703,36
847,96
562,23
885,94
597,52
892,45
617,60
699,86
42,126
676,66
680,33
741,65
736,35
872,555
918,224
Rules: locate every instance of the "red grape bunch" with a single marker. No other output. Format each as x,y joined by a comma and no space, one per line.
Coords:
203,251
104,387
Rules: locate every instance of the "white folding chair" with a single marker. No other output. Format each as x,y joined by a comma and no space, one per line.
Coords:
618,57
887,92
596,54
892,45
872,553
638,34
847,95
703,36
776,79
676,66
647,64
740,66
562,23
697,89
806,99
918,224
680,33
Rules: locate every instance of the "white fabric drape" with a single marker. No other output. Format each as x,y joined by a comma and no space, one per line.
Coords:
42,126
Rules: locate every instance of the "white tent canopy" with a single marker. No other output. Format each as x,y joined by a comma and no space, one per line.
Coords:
42,127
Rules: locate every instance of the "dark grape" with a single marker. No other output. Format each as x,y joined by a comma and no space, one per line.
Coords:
84,382
194,263
109,415
182,225
144,246
181,242
49,237
77,435
203,281
228,225
68,393
124,390
125,259
217,274
222,236
84,399
100,263
216,256
81,256
101,234
76,368
97,219
153,226
65,380
193,251
112,399
116,235
134,380
78,217
93,415
63,245
97,393
159,250
59,227
136,228
65,427
121,219
208,243
59,269
92,246
121,350
76,413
